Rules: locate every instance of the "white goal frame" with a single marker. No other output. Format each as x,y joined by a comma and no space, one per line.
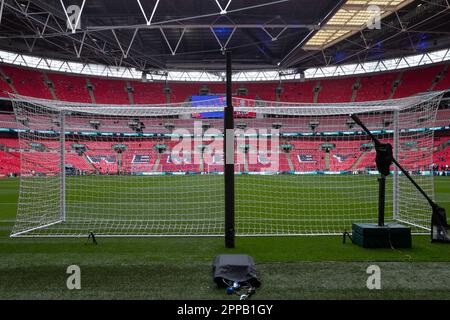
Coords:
33,221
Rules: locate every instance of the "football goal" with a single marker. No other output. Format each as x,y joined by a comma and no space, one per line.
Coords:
157,170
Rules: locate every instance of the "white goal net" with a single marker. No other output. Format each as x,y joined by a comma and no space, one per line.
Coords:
157,170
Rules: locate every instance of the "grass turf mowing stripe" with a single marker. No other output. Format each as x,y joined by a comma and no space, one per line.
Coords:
290,267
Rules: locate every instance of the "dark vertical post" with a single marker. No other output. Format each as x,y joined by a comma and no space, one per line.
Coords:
381,199
229,160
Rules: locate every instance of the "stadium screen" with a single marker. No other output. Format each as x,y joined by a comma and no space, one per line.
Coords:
219,101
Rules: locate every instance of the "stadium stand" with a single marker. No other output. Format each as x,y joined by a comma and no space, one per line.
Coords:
372,87
180,92
409,82
441,155
10,142
444,82
4,88
298,91
305,156
28,82
109,91
69,88
148,93
375,87
336,90
10,163
262,91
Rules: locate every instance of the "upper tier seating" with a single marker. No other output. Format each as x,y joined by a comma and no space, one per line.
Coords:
114,91
298,91
444,83
4,89
180,92
28,82
336,90
110,91
414,81
375,87
70,88
144,93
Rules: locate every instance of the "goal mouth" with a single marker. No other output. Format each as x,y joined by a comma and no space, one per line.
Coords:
157,170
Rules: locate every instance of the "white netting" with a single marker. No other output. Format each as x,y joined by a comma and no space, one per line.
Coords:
157,170
324,176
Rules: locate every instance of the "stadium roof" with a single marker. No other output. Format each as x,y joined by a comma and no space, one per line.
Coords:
163,35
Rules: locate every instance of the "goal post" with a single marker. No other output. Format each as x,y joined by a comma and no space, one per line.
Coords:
158,170
326,177
40,202
117,170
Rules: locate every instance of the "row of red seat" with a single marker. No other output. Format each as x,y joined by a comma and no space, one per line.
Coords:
306,155
156,125
74,88
10,162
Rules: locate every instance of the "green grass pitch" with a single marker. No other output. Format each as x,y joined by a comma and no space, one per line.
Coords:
180,268
194,204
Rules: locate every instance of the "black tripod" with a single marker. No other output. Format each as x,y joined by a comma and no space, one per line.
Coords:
384,159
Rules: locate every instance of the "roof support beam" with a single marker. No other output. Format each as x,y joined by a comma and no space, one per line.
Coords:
158,25
118,42
78,51
223,10
30,47
125,53
223,47
149,20
45,25
274,38
296,47
22,7
131,42
2,4
265,50
173,51
58,30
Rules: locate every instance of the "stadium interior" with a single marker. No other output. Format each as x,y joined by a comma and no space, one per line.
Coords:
118,43
302,157
91,109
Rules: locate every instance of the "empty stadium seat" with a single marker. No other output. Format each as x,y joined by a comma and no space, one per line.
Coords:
70,88
28,82
415,81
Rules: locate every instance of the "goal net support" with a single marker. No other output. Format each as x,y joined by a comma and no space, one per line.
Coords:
157,170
